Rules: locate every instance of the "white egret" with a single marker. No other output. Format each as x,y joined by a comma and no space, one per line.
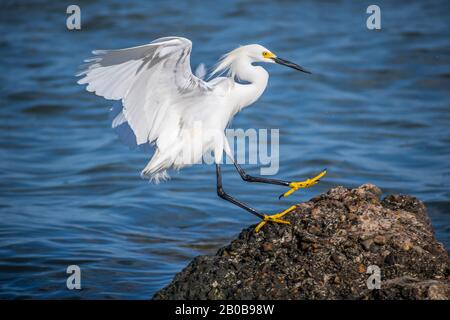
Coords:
172,109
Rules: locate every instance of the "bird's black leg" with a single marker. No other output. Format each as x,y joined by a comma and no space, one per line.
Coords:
221,193
293,185
249,178
265,218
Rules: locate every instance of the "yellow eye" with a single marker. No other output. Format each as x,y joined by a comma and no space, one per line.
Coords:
268,55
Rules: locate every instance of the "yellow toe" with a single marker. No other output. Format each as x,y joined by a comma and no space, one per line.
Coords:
274,218
281,214
260,225
303,184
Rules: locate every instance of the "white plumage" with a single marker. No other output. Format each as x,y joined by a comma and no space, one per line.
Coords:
166,105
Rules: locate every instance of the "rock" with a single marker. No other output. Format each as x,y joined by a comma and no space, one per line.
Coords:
367,243
412,288
267,246
326,254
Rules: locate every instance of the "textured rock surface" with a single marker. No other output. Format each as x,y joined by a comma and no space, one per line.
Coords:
325,253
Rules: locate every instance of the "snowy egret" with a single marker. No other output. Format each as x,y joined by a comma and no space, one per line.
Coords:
169,107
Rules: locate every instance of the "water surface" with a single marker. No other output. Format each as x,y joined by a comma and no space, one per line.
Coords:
376,109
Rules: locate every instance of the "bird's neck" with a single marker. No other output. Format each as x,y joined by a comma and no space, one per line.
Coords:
256,78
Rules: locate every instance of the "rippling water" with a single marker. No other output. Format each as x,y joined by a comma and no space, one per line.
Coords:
375,110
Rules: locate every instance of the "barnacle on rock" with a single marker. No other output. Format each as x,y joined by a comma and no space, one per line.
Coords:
325,254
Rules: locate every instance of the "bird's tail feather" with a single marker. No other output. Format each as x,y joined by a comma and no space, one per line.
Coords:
156,169
156,177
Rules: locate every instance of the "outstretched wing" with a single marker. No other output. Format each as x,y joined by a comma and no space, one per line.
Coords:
151,80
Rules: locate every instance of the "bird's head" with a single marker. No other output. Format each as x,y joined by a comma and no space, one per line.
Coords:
252,53
259,53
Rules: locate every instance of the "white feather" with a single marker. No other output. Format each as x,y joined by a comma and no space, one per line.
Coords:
165,104
201,71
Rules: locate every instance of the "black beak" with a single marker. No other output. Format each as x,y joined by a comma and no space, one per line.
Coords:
290,65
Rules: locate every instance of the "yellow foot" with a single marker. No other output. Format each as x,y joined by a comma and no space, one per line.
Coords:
303,184
274,218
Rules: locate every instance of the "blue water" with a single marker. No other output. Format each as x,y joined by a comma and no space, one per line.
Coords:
375,110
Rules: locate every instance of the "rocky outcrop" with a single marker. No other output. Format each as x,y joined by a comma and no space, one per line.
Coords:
334,241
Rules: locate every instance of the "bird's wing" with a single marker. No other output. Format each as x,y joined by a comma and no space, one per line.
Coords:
201,71
150,80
